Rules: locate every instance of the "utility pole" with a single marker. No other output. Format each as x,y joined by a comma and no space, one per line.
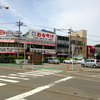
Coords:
70,32
77,42
19,24
56,40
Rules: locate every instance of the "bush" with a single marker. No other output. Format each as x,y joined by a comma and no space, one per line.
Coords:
62,58
75,58
20,57
45,58
66,58
59,58
11,58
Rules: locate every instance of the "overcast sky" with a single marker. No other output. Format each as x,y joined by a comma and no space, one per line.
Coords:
50,14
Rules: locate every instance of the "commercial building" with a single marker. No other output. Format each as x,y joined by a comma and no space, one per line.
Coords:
62,46
37,41
44,42
79,38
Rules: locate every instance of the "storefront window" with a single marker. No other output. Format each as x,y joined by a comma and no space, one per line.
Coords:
5,45
1,44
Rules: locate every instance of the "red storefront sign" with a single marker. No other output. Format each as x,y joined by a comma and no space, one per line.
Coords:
91,50
2,32
45,35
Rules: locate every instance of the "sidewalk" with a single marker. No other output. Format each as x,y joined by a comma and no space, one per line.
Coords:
31,67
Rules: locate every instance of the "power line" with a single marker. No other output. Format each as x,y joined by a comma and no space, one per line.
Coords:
8,23
93,35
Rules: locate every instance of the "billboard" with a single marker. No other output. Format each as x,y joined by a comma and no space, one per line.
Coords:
10,32
39,35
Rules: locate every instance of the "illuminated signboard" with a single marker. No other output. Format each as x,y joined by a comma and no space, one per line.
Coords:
34,34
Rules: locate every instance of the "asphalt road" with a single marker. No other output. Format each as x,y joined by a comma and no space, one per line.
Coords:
44,84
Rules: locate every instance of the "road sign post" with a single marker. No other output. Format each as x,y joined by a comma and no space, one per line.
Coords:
95,55
25,47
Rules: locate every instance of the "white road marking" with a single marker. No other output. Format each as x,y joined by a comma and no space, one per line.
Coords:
38,89
2,84
13,77
6,80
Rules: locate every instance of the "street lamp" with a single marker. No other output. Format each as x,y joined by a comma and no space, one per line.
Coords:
6,7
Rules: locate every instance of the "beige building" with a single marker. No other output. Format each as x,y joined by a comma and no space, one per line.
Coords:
79,38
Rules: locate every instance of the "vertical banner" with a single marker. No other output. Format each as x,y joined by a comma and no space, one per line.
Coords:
88,50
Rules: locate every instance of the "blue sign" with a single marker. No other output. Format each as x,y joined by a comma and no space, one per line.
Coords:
95,54
42,52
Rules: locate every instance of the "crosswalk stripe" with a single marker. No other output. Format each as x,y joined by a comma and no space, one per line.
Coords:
2,84
6,80
13,77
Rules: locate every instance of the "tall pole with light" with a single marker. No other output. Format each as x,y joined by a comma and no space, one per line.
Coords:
6,7
19,24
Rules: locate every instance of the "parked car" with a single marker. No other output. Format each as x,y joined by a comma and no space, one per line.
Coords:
79,61
70,61
91,63
53,60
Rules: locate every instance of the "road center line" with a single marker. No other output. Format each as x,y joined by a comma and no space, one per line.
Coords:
38,89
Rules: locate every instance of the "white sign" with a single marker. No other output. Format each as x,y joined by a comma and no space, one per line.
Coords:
25,46
34,34
10,32
73,47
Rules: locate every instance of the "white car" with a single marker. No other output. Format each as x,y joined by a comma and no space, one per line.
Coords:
70,61
79,61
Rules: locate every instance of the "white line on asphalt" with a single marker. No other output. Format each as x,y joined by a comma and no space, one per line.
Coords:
2,84
78,78
38,89
13,77
6,80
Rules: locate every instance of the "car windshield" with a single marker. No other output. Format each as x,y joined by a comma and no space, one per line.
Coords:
55,59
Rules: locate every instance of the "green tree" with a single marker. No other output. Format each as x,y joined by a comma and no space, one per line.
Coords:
97,45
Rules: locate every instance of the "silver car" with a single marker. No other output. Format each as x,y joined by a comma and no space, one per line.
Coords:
53,60
91,63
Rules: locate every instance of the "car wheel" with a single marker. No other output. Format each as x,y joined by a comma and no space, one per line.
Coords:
70,63
49,62
64,61
94,66
58,63
83,65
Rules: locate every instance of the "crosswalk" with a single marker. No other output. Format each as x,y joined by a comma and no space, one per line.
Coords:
15,78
